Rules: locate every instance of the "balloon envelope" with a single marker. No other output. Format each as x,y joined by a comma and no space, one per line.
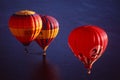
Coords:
88,43
50,29
25,25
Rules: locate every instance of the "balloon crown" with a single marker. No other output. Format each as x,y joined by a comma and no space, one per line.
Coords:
25,12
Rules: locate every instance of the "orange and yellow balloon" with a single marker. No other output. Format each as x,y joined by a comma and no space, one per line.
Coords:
25,25
50,29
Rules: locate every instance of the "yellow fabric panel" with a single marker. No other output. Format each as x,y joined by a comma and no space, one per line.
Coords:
24,32
47,34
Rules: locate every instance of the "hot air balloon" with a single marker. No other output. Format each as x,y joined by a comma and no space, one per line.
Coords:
88,43
50,28
25,25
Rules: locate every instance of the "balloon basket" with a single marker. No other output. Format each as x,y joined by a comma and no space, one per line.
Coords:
26,50
44,53
89,71
44,58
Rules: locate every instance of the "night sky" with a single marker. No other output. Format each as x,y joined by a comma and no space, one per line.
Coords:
60,63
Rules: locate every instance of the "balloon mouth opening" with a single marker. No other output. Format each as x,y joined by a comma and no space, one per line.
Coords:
26,44
88,67
88,71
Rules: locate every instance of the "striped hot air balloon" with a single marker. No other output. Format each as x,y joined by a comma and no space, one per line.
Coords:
25,25
50,28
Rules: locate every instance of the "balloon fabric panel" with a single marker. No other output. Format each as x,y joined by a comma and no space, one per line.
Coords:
104,38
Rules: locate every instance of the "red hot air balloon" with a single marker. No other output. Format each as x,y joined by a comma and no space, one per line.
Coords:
88,43
25,25
49,31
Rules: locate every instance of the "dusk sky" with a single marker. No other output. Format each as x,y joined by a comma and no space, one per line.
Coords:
60,64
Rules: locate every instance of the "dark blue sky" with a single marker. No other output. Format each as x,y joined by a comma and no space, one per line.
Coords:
70,14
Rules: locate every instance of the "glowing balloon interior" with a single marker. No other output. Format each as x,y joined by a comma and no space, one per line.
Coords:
50,29
88,43
25,26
